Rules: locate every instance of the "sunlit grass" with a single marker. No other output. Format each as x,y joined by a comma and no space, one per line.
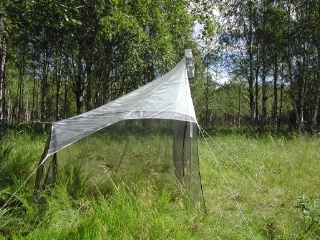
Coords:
254,187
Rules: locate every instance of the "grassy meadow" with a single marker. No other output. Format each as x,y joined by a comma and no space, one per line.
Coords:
255,187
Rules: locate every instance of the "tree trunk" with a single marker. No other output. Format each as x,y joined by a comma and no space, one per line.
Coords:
264,97
20,91
281,100
66,100
317,102
250,80
264,59
45,86
239,106
275,92
58,87
66,90
89,84
257,117
35,94
3,55
207,98
79,87
315,110
299,103
250,53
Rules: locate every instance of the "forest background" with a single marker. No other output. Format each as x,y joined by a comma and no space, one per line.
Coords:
62,58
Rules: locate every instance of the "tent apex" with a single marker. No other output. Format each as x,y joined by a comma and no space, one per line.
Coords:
190,63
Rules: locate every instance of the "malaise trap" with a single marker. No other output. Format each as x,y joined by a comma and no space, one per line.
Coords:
151,131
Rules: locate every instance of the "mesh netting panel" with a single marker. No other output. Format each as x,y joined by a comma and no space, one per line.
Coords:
129,151
185,157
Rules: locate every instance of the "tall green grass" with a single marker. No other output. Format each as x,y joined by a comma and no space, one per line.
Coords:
262,187
253,186
133,201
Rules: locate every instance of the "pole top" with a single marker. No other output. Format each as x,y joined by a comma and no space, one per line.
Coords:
188,53
190,63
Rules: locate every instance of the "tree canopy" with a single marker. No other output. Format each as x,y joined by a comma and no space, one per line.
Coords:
62,58
273,45
59,58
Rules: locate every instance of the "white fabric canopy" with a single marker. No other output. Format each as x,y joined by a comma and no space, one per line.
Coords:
167,97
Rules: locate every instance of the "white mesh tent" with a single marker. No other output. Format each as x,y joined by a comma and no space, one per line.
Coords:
167,98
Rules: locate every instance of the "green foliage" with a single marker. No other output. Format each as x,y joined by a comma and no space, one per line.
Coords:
310,212
19,151
66,58
273,44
